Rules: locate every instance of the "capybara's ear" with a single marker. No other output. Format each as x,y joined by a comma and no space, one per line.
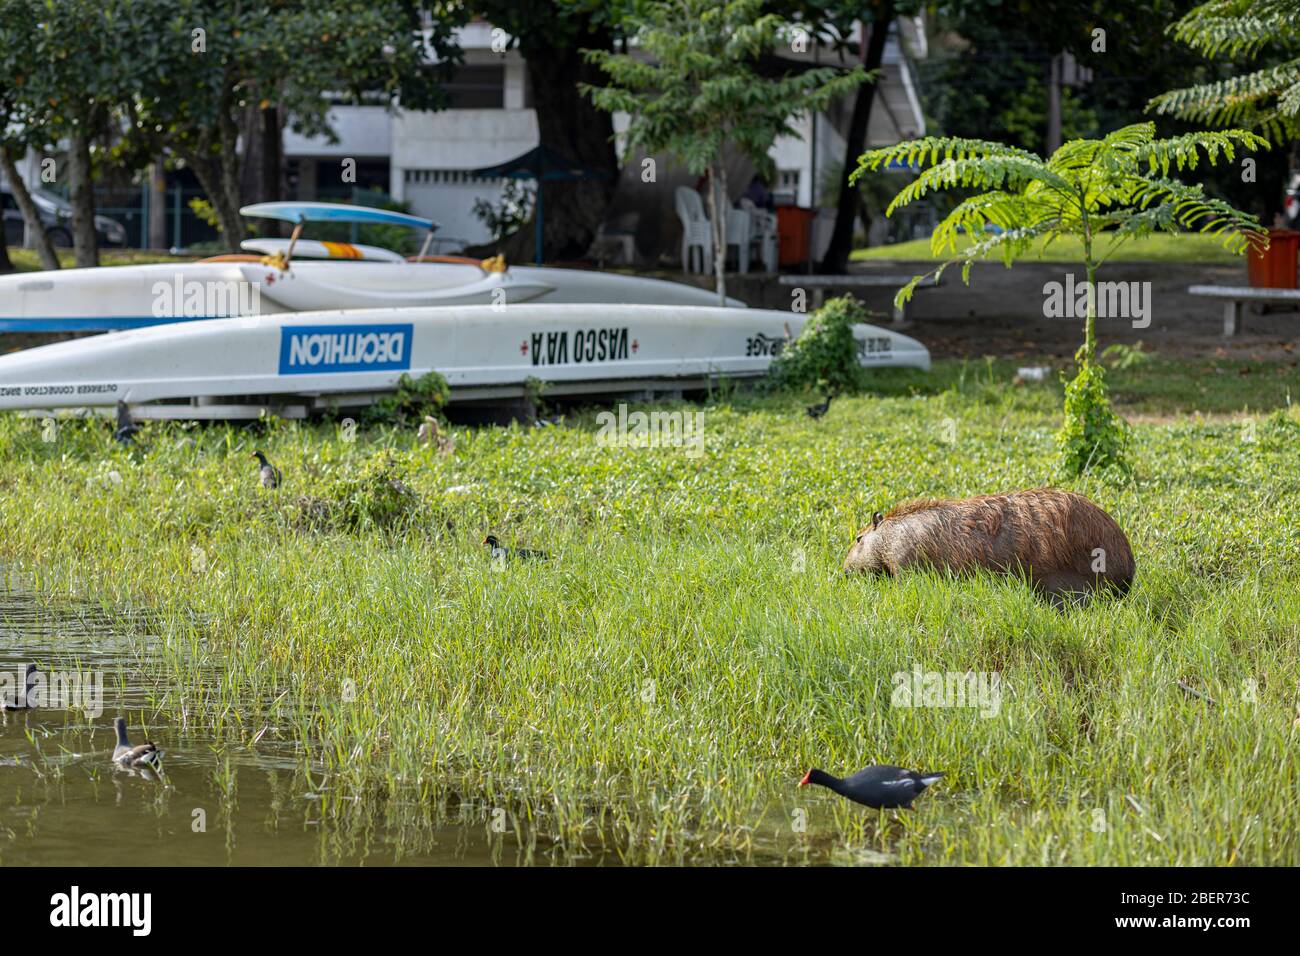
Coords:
875,520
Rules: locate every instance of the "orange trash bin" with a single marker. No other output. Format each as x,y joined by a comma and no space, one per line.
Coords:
1275,267
794,234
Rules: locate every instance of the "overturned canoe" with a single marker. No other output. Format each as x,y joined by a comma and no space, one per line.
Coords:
338,358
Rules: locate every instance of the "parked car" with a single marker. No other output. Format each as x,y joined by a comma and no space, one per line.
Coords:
56,214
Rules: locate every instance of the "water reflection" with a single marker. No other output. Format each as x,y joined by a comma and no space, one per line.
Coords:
249,799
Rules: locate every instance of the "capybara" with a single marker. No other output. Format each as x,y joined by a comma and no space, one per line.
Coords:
1061,542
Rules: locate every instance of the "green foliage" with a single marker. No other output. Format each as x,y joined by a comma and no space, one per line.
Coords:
1267,99
693,89
204,211
411,400
508,214
824,356
377,495
1118,187
1092,437
1125,357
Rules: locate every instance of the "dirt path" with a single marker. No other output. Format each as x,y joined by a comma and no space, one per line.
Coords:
1001,312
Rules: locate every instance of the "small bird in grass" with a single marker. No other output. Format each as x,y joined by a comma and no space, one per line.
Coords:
820,409
431,433
501,553
126,429
27,698
145,755
880,788
270,475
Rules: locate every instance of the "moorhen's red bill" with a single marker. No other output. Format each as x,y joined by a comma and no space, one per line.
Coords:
880,788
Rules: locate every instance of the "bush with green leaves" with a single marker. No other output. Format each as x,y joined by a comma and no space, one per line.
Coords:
377,495
413,399
824,356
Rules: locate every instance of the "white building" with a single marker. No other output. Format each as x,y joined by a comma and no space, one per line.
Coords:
426,157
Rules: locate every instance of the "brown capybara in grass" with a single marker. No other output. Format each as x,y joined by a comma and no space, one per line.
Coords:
1061,542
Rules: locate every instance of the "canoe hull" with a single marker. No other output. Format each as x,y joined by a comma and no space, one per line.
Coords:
130,297
323,353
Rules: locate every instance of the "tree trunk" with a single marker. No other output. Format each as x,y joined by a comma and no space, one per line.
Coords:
157,205
210,176
84,239
232,223
570,125
272,165
718,206
836,260
31,215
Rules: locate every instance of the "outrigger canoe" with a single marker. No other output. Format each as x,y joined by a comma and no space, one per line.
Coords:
303,275
296,363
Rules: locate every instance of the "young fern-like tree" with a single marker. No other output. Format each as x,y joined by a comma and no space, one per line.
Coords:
1102,191
1267,99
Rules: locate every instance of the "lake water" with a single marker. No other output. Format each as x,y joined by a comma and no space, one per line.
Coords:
63,802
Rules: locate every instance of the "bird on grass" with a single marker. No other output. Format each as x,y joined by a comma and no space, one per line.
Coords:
820,409
430,433
880,788
502,553
125,431
270,475
27,698
145,755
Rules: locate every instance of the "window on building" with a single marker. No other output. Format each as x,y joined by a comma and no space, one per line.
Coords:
478,88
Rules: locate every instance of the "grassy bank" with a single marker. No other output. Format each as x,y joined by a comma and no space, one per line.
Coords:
1157,248
26,260
659,686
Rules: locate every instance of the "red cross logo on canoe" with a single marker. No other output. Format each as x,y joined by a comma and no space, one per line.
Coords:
635,346
523,347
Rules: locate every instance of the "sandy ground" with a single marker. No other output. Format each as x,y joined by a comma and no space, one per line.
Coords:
1001,312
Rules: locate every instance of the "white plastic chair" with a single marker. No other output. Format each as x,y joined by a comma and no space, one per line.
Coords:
763,233
739,224
697,231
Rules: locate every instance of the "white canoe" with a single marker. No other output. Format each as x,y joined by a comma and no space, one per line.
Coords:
131,297
574,348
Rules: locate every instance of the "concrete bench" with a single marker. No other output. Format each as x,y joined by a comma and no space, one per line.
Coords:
819,284
1236,296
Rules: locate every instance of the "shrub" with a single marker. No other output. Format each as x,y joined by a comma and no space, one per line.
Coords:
825,354
411,400
1092,437
377,495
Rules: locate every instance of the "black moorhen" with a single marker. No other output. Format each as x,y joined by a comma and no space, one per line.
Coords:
501,553
270,475
28,697
820,409
880,788
125,432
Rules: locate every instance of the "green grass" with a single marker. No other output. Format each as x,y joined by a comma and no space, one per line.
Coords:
1191,247
26,260
659,686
